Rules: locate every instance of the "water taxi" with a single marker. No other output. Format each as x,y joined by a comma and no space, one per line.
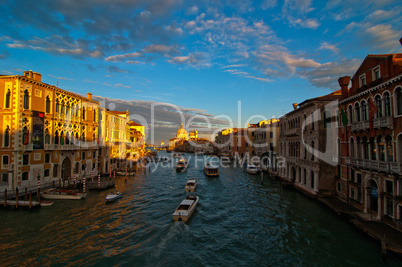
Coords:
252,169
114,195
185,209
211,170
55,193
181,165
176,155
190,185
226,160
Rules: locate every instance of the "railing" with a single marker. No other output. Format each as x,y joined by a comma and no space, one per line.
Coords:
395,167
28,147
294,131
379,166
347,160
384,122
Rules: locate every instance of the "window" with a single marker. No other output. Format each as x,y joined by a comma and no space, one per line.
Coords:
327,119
83,155
390,149
381,148
26,100
373,146
387,104
83,113
47,158
338,187
359,178
389,186
312,121
57,106
399,100
352,175
5,161
25,159
350,111
376,73
55,170
47,136
378,103
362,80
390,206
25,136
47,104
8,99
4,177
56,137
364,111
352,148
83,167
46,173
67,138
312,150
365,148
6,142
357,112
312,180
25,176
93,166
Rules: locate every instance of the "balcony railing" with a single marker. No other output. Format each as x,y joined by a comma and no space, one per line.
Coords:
83,145
395,167
290,132
384,122
28,147
379,166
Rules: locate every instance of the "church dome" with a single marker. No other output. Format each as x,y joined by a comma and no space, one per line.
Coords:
181,133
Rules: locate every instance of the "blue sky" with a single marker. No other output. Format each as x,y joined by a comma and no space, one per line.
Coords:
202,56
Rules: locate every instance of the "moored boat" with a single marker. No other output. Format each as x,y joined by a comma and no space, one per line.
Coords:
185,209
46,203
190,185
211,170
129,173
55,193
226,160
176,155
181,165
252,169
113,196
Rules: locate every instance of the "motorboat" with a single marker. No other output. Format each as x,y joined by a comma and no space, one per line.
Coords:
129,173
46,203
176,155
113,196
211,170
252,169
226,160
55,193
185,209
181,165
190,185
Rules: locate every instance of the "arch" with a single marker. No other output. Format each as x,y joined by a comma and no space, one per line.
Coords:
25,135
357,111
8,99
352,147
389,148
364,110
365,146
381,148
47,104
26,100
387,104
56,137
66,169
67,138
398,100
372,201
378,103
312,180
293,174
47,136
6,140
350,111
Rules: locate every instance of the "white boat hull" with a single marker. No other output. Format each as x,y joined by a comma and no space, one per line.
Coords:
62,194
184,215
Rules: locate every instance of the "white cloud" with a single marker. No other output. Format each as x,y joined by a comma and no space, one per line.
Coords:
327,46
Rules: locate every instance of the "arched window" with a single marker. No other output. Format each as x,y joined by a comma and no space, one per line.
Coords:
378,103
8,99
47,104
83,137
390,149
352,147
47,136
83,113
62,107
61,138
67,138
350,111
56,138
68,110
304,177
387,104
312,120
26,100
7,137
57,106
399,100
94,115
381,148
25,136
373,146
312,150
312,182
327,119
364,111
358,148
357,112
365,148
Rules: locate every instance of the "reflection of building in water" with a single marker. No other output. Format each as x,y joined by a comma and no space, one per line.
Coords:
52,134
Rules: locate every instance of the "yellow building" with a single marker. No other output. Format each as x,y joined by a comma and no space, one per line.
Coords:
46,132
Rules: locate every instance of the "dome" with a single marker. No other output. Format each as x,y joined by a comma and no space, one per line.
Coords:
181,133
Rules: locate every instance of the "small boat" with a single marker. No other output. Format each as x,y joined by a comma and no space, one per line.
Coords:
226,160
113,196
252,169
190,185
55,193
181,165
211,170
176,155
124,173
46,203
185,209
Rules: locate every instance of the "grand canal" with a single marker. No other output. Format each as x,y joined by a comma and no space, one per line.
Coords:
238,222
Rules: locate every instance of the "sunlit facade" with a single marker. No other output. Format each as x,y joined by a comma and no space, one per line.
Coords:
46,132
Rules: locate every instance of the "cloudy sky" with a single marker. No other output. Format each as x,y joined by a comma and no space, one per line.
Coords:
241,60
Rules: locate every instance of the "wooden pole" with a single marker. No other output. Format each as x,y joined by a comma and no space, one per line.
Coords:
30,199
39,194
16,199
25,198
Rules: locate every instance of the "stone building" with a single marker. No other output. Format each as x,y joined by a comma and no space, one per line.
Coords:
369,174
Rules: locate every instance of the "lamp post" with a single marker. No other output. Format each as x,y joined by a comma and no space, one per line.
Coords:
369,190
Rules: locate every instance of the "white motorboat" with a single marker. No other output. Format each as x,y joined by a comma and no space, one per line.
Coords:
113,196
211,170
226,160
46,203
252,169
190,185
185,209
129,173
181,165
55,193
176,155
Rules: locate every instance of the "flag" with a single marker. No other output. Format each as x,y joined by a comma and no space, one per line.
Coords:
26,141
344,118
372,111
62,140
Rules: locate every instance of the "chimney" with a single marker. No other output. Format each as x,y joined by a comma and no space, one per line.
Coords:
89,96
295,105
37,76
28,74
344,83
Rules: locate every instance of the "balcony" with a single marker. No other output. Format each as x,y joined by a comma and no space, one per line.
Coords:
384,122
27,147
360,126
292,132
395,167
373,165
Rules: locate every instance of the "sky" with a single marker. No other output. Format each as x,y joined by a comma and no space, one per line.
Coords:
206,64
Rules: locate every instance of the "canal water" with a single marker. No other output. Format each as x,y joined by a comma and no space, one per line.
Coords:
238,222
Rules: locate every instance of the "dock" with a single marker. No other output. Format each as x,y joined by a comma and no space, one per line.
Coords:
20,203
